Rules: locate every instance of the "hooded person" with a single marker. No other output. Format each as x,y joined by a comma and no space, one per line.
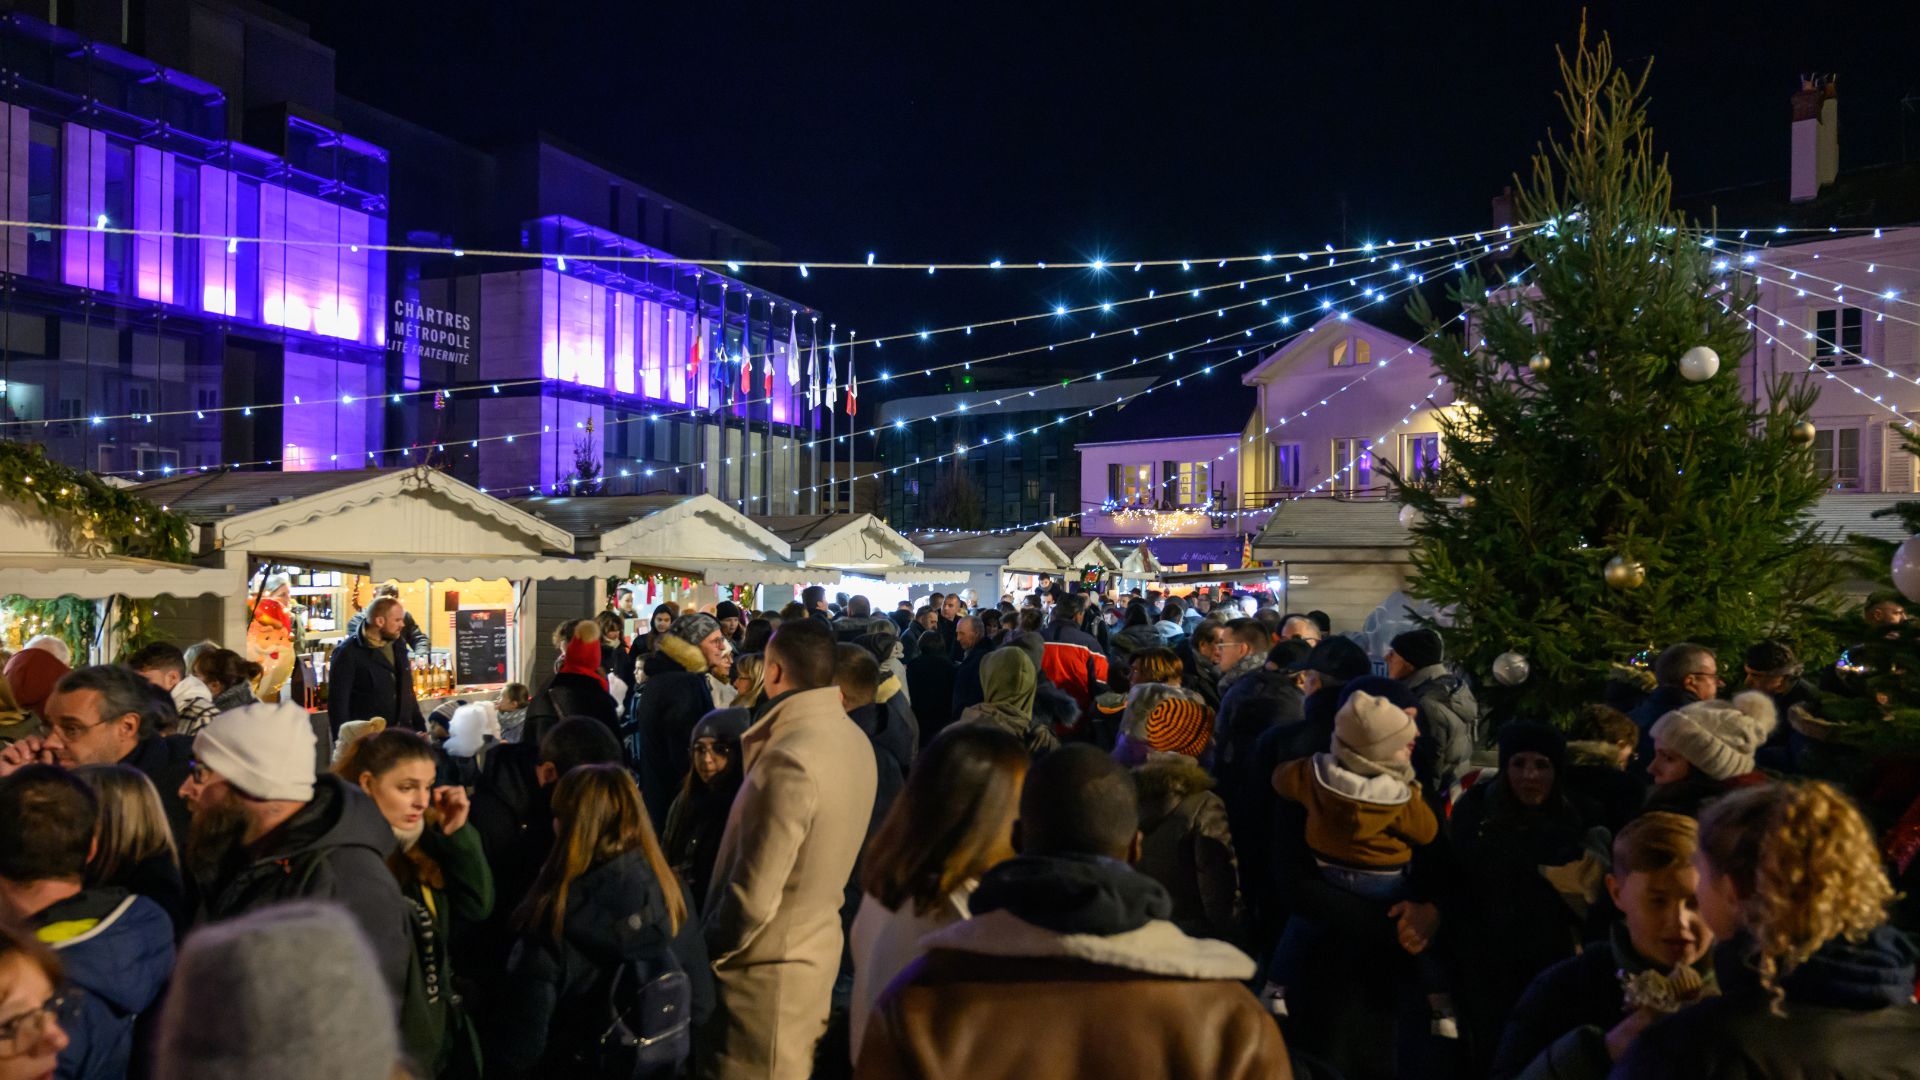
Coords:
267,830
1163,706
676,692
698,816
1052,706
1007,678
1064,939
1705,750
300,994
893,658
579,687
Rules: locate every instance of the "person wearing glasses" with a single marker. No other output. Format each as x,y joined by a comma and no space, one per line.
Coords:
1684,673
266,830
31,1004
108,714
116,947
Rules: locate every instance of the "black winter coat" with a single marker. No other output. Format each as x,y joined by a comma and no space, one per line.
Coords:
362,685
1250,705
1849,1013
167,760
695,824
570,693
930,682
670,701
333,848
967,691
556,1006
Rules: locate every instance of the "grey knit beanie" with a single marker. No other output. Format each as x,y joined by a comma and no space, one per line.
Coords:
290,991
1719,738
694,627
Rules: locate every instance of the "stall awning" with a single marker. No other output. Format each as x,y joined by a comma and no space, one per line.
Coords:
734,571
1225,577
453,567
49,577
924,575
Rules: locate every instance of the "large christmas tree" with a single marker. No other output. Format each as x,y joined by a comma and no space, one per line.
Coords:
1581,438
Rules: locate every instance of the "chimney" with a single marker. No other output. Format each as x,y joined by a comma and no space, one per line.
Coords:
1815,137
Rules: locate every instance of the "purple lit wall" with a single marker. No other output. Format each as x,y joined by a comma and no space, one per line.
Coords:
317,281
85,172
331,433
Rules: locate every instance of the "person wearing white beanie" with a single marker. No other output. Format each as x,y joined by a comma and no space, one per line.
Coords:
1703,750
266,830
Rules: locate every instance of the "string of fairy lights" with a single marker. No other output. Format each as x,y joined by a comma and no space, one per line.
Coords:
406,453
1395,266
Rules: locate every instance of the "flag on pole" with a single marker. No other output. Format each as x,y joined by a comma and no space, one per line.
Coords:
693,356
793,349
853,384
766,359
746,352
833,390
813,371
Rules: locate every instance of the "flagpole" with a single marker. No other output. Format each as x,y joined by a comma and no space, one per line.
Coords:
744,397
853,425
833,432
766,446
813,398
793,442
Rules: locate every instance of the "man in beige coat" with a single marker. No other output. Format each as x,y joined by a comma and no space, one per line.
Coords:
796,827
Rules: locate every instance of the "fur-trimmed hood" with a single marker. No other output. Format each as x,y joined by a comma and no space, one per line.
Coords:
1169,777
682,652
1156,948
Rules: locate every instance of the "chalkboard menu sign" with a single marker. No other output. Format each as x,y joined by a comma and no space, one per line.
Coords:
480,646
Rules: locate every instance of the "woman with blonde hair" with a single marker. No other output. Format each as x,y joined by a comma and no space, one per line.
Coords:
605,907
135,848
1813,980
749,669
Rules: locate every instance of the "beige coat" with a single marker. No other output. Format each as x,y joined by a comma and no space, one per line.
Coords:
773,913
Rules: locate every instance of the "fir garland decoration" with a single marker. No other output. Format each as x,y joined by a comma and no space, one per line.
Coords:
88,507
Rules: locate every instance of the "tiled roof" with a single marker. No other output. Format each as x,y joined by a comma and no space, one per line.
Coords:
591,515
225,493
1334,523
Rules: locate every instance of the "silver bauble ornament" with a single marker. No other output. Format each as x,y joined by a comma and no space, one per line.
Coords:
1410,517
1699,364
1511,669
1624,573
1803,433
1906,568
1539,364
1466,501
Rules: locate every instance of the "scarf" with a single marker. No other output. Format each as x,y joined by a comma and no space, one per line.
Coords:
1248,664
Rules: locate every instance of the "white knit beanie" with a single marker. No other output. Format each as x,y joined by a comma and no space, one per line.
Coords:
290,991
1719,737
1372,727
264,749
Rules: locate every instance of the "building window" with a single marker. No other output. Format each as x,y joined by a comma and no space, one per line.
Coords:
1352,465
1130,485
118,210
139,400
1033,489
246,256
186,220
43,199
1837,336
1362,352
206,397
1836,453
1283,470
1192,483
913,486
1340,357
1420,454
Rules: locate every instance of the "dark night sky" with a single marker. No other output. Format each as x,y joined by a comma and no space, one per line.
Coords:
1048,129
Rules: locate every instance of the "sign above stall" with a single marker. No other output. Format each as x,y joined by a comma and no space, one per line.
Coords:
1090,577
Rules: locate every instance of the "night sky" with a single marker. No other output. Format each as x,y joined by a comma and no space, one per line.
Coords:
1045,130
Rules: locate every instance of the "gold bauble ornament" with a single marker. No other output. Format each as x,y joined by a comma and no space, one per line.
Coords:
1539,364
1802,433
1625,573
1466,501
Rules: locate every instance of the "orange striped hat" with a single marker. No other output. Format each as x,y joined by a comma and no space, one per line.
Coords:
1179,726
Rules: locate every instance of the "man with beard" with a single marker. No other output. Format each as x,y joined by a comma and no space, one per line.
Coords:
372,671
266,830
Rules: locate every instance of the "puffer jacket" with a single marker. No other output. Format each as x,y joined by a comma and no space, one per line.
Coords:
667,704
1849,1012
1187,846
117,949
1449,716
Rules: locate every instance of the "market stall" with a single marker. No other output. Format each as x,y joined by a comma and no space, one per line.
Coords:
692,549
1139,568
73,586
1095,567
313,546
996,564
860,553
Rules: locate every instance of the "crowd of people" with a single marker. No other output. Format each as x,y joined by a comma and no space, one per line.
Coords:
1059,834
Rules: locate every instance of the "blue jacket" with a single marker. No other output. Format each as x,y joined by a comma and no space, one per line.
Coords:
117,949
